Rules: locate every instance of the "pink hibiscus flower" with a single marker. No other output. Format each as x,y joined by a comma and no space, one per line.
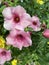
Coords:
46,33
19,39
35,23
16,18
4,56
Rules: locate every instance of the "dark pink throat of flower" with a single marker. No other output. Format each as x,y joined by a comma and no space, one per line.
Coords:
34,23
16,18
3,53
20,37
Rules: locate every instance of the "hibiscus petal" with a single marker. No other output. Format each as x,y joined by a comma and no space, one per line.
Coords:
36,28
19,27
25,23
13,32
9,40
25,43
29,41
8,24
2,60
7,13
8,57
19,10
26,16
18,44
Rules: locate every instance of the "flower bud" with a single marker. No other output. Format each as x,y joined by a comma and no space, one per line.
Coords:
46,33
43,26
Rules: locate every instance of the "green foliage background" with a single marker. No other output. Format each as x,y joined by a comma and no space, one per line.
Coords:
38,53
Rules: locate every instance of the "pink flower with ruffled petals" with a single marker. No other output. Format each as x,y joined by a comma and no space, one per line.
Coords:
46,33
35,23
16,18
19,39
5,55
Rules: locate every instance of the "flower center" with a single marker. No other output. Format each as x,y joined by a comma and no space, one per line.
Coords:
16,18
34,23
20,37
3,53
